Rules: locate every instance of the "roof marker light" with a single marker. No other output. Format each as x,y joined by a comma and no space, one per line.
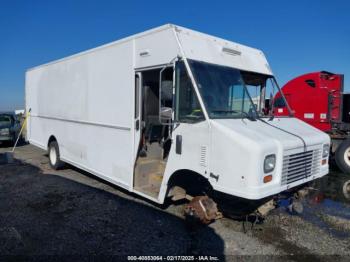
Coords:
231,51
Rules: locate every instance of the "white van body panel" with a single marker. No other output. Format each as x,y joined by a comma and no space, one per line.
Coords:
195,152
87,102
80,101
240,144
206,48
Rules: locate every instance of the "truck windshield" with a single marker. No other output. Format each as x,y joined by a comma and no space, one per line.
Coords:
5,119
223,91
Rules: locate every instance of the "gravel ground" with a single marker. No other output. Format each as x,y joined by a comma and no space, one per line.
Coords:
46,213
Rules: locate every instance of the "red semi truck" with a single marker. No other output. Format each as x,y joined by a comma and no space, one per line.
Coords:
318,99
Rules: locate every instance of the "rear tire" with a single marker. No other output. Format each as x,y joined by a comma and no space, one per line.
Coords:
342,156
54,156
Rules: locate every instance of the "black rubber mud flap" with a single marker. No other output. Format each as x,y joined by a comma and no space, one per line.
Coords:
178,148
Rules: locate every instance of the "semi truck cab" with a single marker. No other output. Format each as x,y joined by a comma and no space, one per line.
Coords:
318,99
315,98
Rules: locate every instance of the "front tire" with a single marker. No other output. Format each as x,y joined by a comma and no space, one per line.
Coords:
54,156
342,156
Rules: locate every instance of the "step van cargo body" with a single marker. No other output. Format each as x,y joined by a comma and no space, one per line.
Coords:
170,104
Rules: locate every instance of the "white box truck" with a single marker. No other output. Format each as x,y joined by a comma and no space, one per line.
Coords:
168,112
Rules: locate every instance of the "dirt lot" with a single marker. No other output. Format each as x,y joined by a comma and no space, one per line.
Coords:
71,213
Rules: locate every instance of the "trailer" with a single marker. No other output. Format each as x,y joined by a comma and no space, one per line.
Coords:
166,114
318,98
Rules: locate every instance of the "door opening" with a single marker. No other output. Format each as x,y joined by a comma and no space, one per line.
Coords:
155,136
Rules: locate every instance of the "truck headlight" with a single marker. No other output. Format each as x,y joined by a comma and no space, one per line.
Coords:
5,131
325,151
269,163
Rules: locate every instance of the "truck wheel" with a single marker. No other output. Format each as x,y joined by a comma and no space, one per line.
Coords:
342,156
346,189
54,156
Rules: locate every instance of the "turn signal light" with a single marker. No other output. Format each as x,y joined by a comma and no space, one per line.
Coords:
324,161
267,178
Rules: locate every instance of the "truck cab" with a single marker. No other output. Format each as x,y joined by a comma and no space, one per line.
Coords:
218,132
315,98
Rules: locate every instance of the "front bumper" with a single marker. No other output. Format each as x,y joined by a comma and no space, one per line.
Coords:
263,191
297,168
255,193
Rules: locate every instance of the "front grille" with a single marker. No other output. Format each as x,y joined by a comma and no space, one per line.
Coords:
300,165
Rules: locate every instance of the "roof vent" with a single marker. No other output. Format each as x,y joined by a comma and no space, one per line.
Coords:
231,51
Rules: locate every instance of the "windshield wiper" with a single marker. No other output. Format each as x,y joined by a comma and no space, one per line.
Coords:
248,116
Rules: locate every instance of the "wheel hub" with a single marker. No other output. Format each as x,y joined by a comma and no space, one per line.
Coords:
346,189
53,156
347,156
